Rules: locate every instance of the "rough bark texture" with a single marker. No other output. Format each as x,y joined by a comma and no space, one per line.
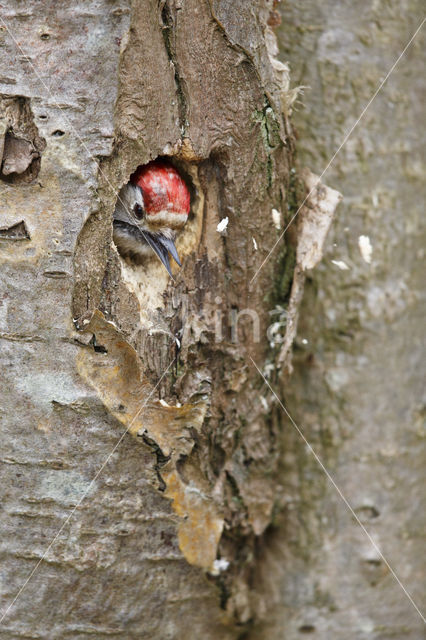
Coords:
357,387
92,345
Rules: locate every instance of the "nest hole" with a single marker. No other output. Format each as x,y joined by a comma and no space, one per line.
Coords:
146,276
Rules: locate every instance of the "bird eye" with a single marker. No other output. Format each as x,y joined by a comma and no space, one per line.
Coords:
138,211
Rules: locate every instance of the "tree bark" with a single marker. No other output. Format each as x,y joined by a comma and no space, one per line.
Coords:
356,391
105,534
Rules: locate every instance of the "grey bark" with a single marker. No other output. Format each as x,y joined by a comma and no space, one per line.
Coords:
357,387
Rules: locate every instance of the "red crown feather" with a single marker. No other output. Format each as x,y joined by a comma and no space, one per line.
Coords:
165,194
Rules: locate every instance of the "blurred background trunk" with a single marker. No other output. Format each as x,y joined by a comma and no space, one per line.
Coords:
358,384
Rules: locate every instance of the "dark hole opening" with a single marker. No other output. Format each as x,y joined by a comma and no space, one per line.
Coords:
307,628
98,348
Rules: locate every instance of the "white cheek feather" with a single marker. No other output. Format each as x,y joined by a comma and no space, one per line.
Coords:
167,219
129,196
129,246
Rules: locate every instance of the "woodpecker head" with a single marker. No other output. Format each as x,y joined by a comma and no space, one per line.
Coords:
151,208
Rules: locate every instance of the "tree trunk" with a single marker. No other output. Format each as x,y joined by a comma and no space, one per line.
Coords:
139,456
356,392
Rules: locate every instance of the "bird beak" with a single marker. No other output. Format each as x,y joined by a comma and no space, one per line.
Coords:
162,247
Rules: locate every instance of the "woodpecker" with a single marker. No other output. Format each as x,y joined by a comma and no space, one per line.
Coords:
151,208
